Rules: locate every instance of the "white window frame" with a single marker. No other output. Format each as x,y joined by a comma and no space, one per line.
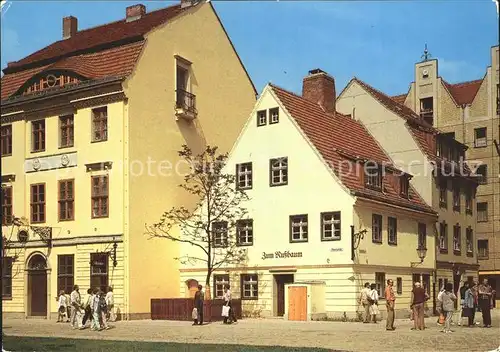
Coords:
244,229
250,285
480,141
274,115
392,231
278,169
457,240
219,234
299,228
219,284
244,175
331,226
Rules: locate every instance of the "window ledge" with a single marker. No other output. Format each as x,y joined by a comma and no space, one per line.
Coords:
6,155
323,239
249,298
443,205
6,298
457,252
443,251
376,241
278,184
470,254
299,241
392,243
468,211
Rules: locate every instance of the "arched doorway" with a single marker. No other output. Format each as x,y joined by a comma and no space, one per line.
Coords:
37,286
192,286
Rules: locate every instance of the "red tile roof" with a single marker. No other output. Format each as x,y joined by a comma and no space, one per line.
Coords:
399,98
337,137
115,62
93,38
464,92
110,50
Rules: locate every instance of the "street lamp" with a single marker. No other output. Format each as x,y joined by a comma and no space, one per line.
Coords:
421,252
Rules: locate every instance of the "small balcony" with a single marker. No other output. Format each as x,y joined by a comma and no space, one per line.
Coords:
185,105
483,254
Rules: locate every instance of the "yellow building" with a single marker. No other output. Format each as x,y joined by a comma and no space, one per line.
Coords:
315,176
90,129
440,176
469,113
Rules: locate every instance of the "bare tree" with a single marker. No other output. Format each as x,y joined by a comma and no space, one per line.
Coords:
211,227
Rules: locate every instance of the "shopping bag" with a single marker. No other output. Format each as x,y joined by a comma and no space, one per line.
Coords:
194,314
225,311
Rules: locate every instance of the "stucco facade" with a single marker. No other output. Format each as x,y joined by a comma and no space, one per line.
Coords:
312,189
139,157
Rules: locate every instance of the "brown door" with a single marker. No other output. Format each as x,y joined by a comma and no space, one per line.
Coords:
456,287
281,281
37,290
297,303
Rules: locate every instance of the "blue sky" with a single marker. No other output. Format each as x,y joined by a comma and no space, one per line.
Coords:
377,41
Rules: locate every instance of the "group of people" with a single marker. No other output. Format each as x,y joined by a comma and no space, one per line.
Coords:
227,311
97,308
473,297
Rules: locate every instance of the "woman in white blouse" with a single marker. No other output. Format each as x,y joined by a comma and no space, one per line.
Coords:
374,311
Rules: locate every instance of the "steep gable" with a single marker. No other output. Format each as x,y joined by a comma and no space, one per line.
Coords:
463,93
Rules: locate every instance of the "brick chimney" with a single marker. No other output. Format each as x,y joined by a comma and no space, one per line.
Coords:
70,26
319,87
135,12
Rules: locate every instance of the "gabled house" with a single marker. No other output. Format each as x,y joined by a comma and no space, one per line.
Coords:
468,112
91,126
316,179
440,174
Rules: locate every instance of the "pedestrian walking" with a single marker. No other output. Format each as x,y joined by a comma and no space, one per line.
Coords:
468,306
485,296
76,305
448,298
231,318
390,299
198,304
62,306
439,307
418,299
110,301
87,307
460,312
374,311
363,300
103,308
95,310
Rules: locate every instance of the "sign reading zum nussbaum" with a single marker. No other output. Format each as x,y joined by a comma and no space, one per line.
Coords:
281,255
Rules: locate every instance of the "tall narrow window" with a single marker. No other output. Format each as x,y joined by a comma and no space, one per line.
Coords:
480,139
244,178
261,118
380,284
66,200
469,242
377,228
66,131
373,176
219,234
6,140
443,193
7,263
274,115
6,205
404,186
37,203
100,196
99,270
427,110
278,171
185,99
426,283
468,201
443,237
456,198
298,228
457,239
482,249
244,231
482,211
330,226
422,235
482,174
392,230
38,136
100,124
399,285
65,273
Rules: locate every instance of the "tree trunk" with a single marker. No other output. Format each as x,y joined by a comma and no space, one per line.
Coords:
207,292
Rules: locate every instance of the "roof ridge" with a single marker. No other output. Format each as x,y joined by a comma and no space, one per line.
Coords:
464,82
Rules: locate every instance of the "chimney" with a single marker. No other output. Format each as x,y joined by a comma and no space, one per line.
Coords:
319,87
70,26
186,3
135,12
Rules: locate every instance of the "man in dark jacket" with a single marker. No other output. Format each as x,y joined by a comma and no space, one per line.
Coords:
198,303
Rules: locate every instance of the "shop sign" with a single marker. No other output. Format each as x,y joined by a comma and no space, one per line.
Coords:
281,255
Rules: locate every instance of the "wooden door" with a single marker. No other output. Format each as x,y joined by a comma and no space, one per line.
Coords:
297,303
37,291
281,281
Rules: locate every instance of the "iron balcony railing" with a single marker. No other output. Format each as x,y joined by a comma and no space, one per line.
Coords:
185,100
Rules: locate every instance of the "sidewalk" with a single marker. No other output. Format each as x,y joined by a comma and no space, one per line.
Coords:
271,332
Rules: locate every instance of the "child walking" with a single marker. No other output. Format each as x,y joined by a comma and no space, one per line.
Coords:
61,306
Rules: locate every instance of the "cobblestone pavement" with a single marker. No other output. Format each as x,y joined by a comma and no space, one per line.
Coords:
271,332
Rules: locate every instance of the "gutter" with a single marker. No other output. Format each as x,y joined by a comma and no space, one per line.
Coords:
415,209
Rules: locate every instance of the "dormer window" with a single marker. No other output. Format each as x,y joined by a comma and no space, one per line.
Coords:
404,186
373,175
51,80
